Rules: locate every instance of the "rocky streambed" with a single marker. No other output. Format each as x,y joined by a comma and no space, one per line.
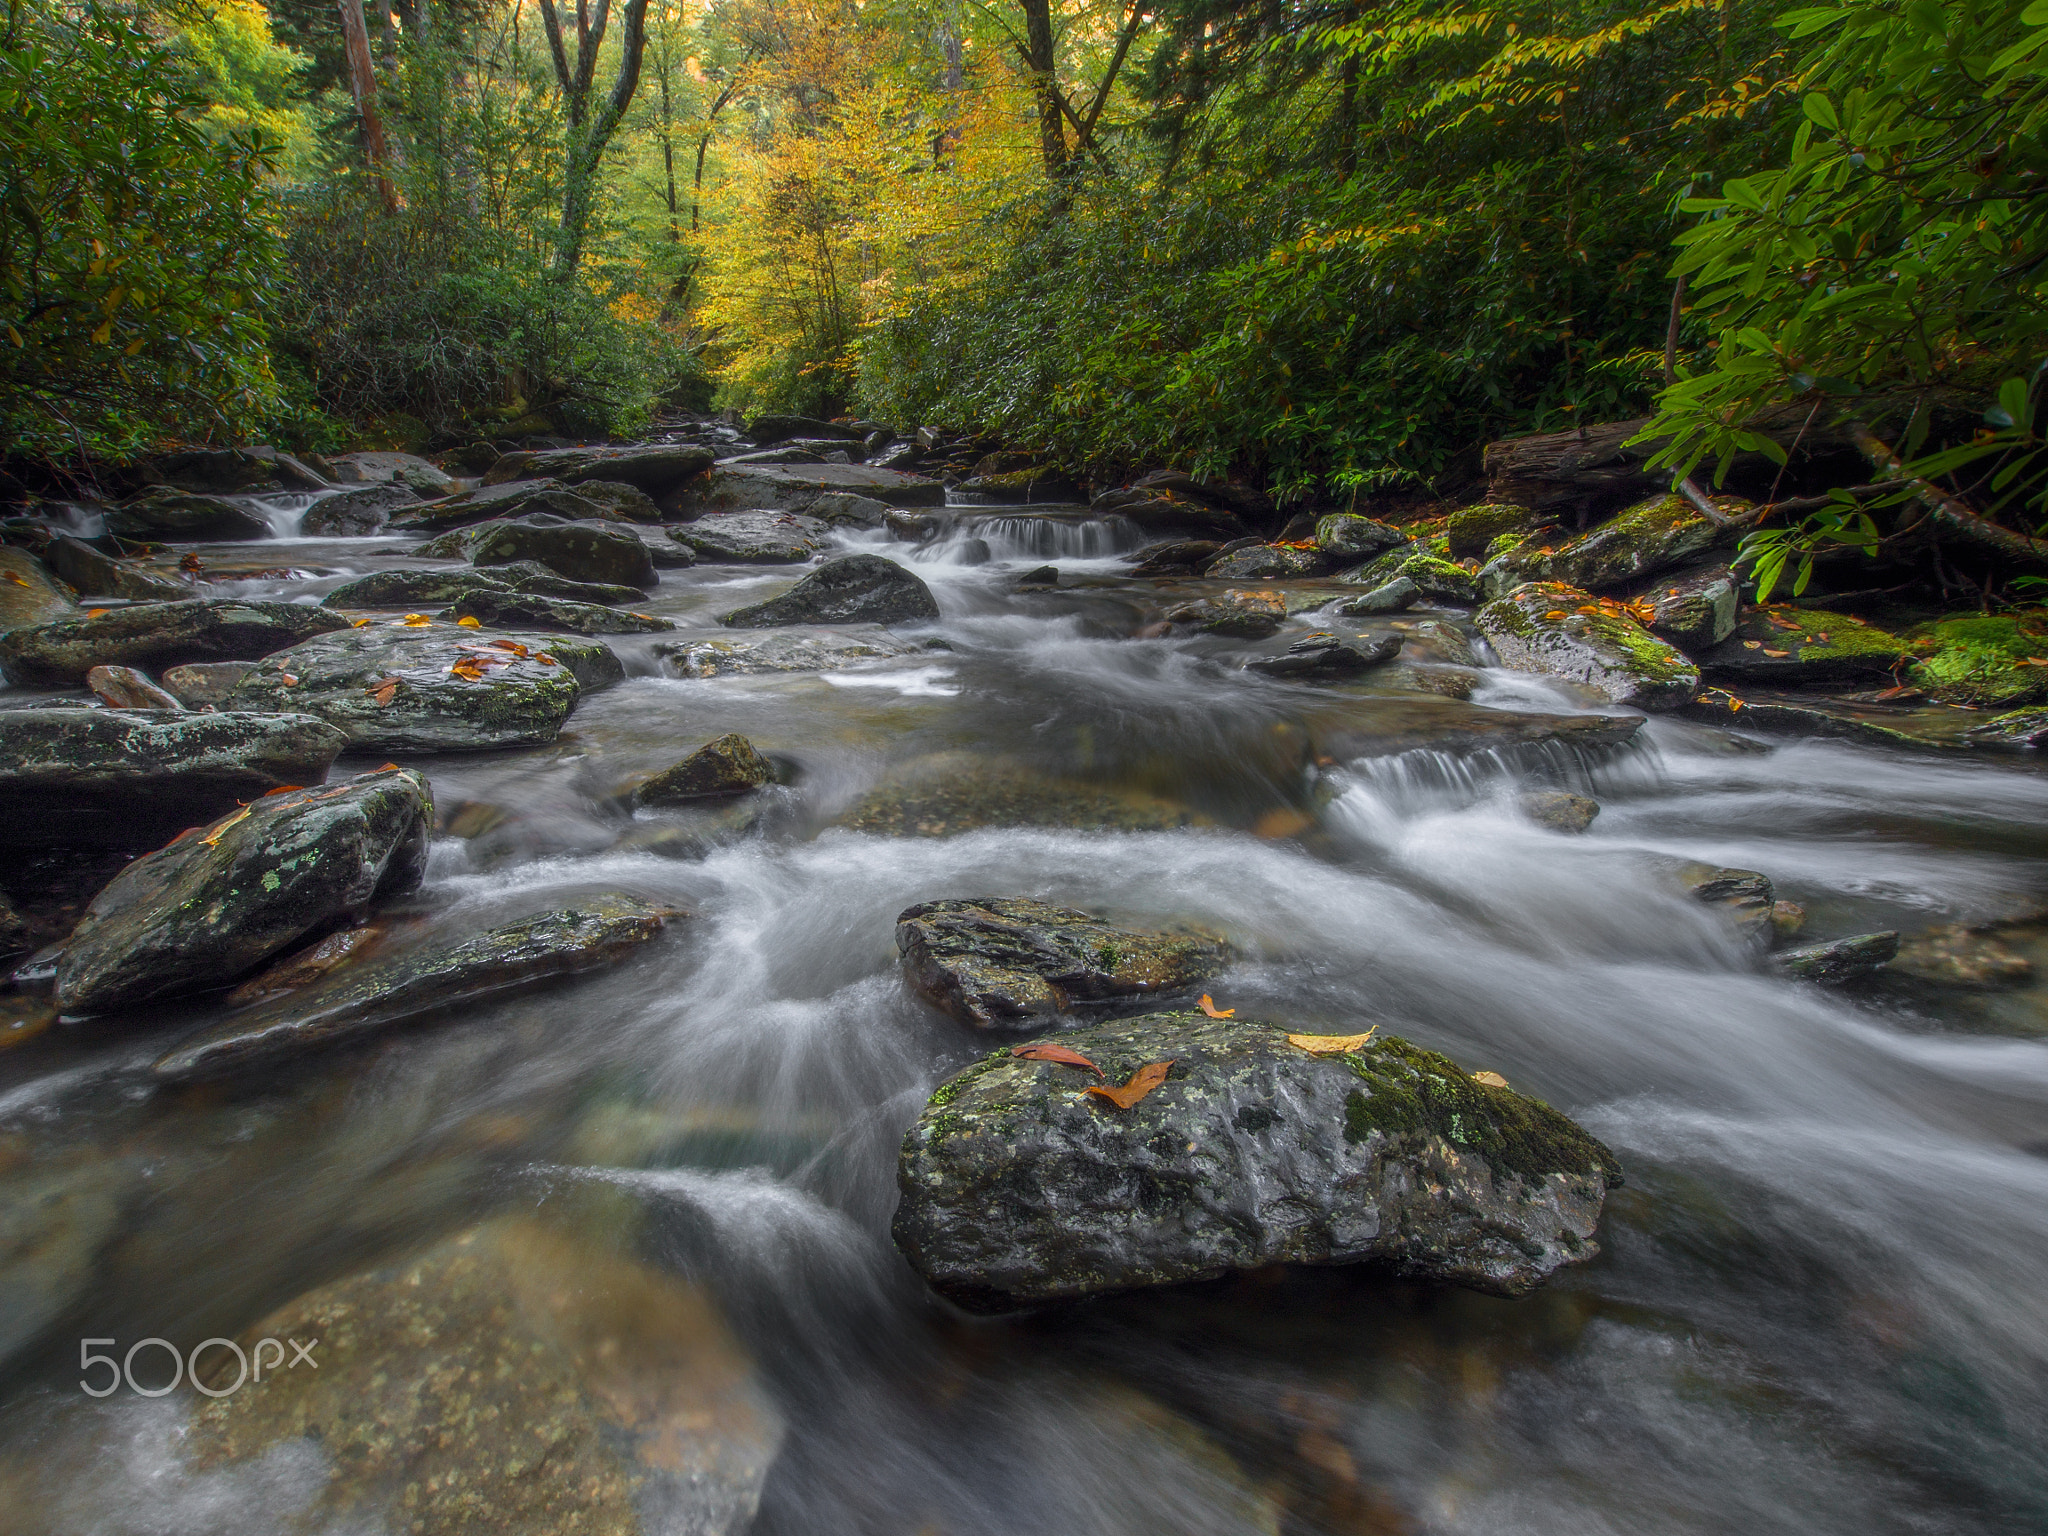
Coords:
714,991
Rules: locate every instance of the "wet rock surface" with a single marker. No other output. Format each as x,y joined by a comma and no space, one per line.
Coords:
402,973
211,906
1558,809
1323,657
108,776
1237,615
94,573
731,765
1018,1187
951,794
200,683
825,651
595,552
1011,963
572,1388
154,636
29,595
796,487
751,538
853,589
1957,955
438,688
126,688
1838,960
1647,539
1784,647
520,610
653,468
185,516
1694,610
357,513
1545,627
1347,536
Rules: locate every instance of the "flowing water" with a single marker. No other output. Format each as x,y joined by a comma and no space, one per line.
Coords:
1822,1305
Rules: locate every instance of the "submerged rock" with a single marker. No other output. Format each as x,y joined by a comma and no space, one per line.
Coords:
1558,810
1323,657
1744,895
1239,615
1785,647
185,516
827,652
1018,1187
357,513
853,589
28,593
1544,627
519,610
393,688
1009,963
751,538
389,979
951,793
154,636
728,766
79,565
1957,955
518,1379
221,900
109,776
1838,960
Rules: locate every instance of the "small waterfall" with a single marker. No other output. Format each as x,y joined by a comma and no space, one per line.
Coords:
976,540
1428,779
285,510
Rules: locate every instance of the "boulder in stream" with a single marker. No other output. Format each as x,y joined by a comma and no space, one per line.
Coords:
751,538
220,900
953,792
1694,610
655,468
1320,657
1660,534
821,651
853,589
797,487
731,765
1396,596
115,777
381,976
1438,580
485,503
1269,562
1542,626
127,688
358,512
29,595
1009,963
1240,615
1472,530
1559,810
186,516
81,566
520,610
432,688
198,684
1021,1187
1346,536
154,636
1838,960
597,552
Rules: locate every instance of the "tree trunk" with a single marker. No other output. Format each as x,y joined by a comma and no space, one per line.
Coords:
1038,56
362,80
589,132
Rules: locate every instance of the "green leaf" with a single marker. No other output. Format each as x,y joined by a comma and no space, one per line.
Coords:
1820,110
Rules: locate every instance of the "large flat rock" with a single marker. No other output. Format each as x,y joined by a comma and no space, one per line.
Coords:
1020,1187
794,650
751,538
1544,626
153,636
434,688
653,467
110,776
29,594
794,487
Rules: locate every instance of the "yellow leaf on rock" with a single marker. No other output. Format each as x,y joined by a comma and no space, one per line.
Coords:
1491,1079
212,839
1331,1045
471,622
415,621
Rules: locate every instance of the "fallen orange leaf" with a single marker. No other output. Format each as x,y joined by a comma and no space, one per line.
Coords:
95,613
1491,1079
510,645
364,623
545,659
1142,1082
289,679
389,768
415,621
1045,1050
1553,616
1780,654
1331,1045
212,839
1209,1007
382,691
282,789
471,622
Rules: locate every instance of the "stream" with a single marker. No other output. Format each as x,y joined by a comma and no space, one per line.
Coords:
1822,1301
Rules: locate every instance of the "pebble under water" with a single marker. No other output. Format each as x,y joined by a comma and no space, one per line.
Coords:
1822,1304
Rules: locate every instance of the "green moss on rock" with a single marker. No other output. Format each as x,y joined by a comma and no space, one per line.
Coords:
1985,660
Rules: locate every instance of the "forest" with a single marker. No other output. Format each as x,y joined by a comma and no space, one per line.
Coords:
1326,247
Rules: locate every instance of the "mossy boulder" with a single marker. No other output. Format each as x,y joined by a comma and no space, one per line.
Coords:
731,765
1647,539
1019,1187
432,688
1990,661
2018,728
357,512
1009,963
1545,626
1237,614
1699,609
853,589
1435,576
1473,530
812,651
1785,647
219,901
1269,562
